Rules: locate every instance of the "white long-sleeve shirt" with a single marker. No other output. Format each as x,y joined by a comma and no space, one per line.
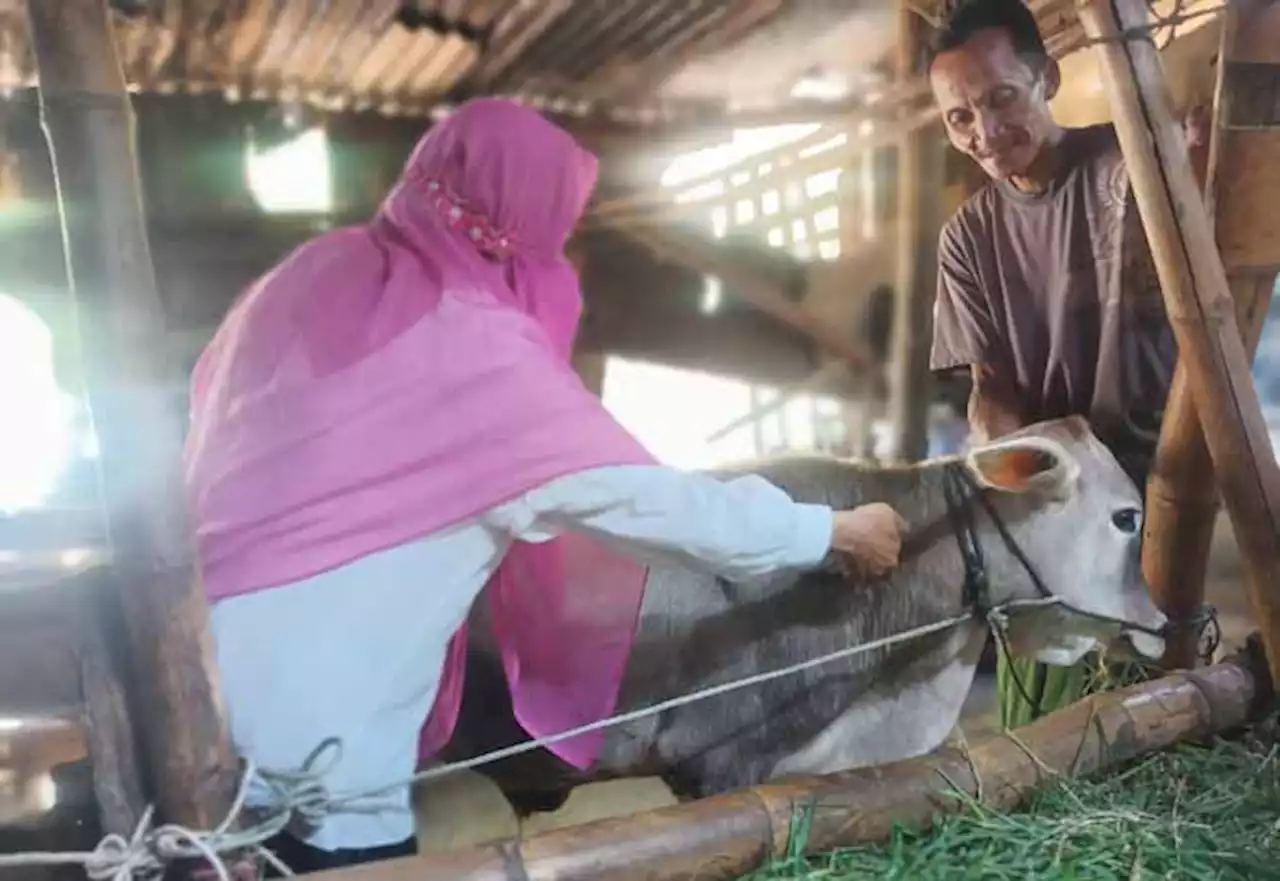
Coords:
356,652
738,529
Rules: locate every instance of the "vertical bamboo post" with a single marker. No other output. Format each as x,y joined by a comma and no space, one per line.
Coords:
1181,496
921,162
89,125
1196,294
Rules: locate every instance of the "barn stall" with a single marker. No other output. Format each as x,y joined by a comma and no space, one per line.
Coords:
147,108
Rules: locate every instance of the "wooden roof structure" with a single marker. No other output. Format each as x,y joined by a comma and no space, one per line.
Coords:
607,59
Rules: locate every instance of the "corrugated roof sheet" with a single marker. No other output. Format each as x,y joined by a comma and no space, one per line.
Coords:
409,57
406,57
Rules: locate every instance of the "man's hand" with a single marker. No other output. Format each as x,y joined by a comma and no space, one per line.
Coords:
994,410
871,535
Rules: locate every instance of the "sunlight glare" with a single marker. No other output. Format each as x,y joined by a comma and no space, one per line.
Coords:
35,445
292,178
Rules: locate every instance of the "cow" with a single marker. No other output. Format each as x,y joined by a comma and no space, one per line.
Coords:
1066,507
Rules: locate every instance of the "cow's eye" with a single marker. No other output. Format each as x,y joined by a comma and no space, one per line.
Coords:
1127,520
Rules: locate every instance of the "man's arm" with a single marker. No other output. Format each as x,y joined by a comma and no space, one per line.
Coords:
965,336
994,409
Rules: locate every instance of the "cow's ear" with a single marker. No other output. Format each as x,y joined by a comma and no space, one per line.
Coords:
1025,464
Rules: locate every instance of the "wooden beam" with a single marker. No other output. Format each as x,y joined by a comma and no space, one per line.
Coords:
706,257
817,383
659,200
678,123
109,716
1197,297
921,178
727,836
89,124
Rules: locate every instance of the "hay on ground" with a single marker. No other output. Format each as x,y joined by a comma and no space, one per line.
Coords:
1193,812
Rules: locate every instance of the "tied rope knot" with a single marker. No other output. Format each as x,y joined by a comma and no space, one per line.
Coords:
301,793
117,858
295,795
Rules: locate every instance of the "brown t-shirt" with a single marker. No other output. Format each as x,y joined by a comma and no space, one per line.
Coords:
1058,291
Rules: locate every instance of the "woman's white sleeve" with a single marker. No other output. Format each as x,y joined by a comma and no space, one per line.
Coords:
738,529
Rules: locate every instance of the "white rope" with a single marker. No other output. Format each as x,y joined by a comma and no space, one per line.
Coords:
301,793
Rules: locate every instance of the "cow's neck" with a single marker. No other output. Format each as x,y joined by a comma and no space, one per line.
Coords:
915,701
876,706
912,710
906,716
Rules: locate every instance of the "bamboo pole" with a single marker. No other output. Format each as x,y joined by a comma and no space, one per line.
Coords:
1197,297
729,835
89,125
921,172
1181,495
109,716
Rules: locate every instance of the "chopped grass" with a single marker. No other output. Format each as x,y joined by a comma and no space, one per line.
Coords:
1193,812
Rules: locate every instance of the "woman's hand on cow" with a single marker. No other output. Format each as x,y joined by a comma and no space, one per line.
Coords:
871,535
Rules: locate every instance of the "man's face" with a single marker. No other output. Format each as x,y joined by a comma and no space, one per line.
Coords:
994,104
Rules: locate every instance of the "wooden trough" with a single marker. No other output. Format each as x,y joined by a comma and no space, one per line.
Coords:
727,836
188,766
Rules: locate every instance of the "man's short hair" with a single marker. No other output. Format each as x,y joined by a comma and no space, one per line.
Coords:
967,17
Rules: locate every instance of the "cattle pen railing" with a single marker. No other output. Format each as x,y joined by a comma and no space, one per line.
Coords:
193,774
302,794
722,837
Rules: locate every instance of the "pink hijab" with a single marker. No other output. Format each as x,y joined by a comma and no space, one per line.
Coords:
388,381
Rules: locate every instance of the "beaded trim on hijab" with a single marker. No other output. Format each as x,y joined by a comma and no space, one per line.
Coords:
487,238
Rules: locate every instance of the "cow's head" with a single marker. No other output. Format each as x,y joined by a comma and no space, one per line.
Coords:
1077,517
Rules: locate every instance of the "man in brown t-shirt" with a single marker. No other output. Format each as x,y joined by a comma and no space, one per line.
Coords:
1046,289
1047,293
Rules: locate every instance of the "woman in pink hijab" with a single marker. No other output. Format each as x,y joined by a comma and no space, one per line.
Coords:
385,424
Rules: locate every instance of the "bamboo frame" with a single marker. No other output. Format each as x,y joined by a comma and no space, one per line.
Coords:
89,124
727,836
921,178
1182,497
1197,297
